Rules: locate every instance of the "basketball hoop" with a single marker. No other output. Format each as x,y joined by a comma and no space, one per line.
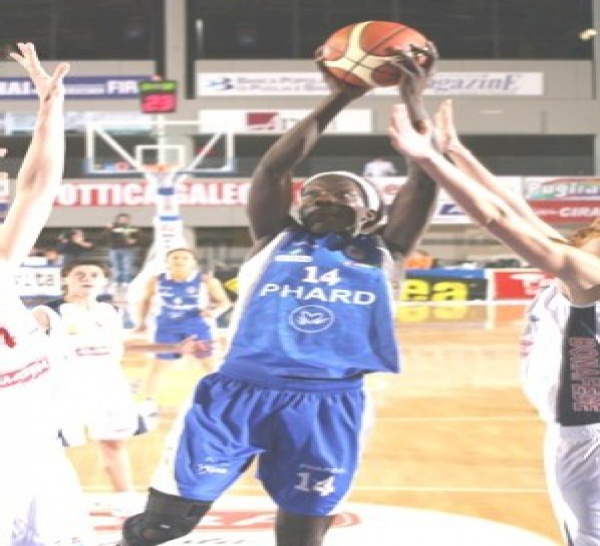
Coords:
159,167
161,174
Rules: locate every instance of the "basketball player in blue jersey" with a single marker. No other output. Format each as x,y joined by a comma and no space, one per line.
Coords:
314,315
187,303
561,342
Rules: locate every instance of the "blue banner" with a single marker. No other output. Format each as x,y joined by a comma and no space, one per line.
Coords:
84,87
444,285
447,273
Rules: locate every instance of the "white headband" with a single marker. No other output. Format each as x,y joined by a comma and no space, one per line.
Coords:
373,198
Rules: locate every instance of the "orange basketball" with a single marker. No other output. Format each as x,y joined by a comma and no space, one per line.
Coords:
363,54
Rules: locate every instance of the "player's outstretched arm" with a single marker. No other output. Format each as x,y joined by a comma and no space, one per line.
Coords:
271,189
578,269
200,348
451,145
40,174
413,206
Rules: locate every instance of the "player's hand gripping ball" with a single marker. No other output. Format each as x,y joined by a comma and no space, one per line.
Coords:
367,54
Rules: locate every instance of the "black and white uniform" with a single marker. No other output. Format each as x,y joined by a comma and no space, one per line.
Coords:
41,502
561,377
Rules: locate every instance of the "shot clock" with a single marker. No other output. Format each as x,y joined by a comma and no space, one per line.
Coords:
158,97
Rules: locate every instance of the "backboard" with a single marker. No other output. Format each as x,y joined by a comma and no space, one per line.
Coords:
177,147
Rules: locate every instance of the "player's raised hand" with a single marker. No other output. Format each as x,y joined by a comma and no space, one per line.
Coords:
334,84
47,86
418,63
405,138
417,66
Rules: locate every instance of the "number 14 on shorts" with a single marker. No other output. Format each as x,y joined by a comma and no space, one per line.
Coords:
309,485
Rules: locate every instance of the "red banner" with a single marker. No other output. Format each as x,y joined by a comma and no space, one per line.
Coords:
566,211
515,284
138,193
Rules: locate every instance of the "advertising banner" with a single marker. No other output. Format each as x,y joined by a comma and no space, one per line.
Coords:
566,212
432,316
565,189
81,87
565,200
353,121
129,192
515,284
444,285
242,84
139,193
39,281
124,122
201,192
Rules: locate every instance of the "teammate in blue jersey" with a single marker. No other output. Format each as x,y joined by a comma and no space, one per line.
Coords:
314,315
561,342
185,302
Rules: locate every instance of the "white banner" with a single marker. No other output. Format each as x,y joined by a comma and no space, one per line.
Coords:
358,121
38,281
219,84
487,83
570,188
126,122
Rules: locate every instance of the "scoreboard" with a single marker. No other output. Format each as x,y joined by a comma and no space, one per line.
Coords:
158,97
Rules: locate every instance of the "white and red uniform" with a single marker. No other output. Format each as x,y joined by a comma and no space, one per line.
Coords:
41,502
561,378
92,338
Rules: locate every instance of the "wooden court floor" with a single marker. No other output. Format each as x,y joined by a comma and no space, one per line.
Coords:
453,432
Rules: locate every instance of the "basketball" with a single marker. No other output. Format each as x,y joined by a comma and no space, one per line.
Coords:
363,54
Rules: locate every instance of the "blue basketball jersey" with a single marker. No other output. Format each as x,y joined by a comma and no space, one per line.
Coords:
180,300
312,308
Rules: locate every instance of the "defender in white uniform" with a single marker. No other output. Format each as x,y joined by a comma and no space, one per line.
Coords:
561,346
100,402
561,378
40,498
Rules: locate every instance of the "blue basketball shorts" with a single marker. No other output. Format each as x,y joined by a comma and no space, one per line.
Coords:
307,443
175,331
